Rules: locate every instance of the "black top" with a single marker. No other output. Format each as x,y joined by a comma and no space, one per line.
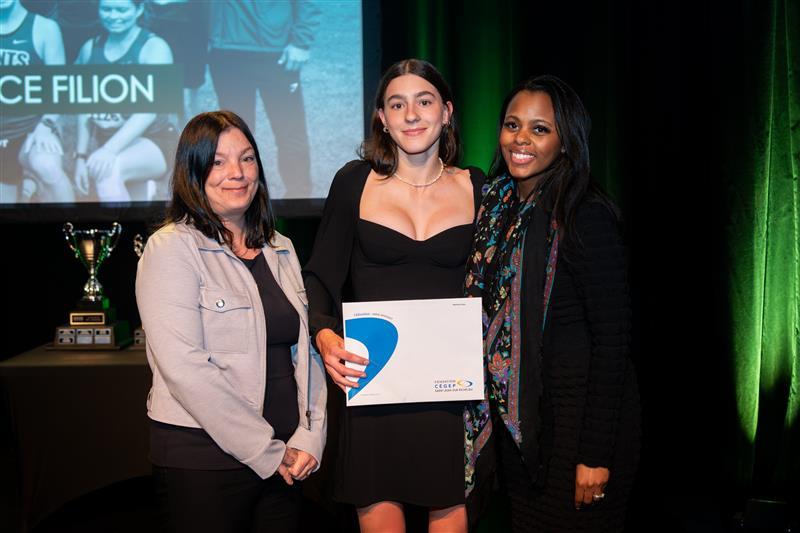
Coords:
414,452
17,49
97,54
112,121
433,268
283,328
182,447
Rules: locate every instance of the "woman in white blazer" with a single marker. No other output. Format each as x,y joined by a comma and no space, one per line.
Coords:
237,405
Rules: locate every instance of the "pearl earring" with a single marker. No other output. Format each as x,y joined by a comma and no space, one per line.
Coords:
385,129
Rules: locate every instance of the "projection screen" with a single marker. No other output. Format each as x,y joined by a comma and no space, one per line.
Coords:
94,94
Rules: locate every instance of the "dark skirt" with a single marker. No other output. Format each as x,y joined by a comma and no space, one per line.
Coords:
407,453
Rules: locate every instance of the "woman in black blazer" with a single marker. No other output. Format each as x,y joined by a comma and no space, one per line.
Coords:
549,263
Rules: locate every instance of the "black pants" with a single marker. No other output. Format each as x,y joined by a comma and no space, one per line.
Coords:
225,501
237,75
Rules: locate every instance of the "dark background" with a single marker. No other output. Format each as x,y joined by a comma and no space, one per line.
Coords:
668,85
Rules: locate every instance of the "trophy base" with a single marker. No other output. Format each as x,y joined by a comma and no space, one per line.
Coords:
139,339
88,313
96,337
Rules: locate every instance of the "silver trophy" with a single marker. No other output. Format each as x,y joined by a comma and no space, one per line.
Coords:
139,339
92,323
92,247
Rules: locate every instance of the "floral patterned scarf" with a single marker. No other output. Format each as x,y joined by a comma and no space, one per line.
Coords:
494,272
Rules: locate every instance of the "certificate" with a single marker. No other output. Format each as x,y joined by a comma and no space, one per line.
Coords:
418,350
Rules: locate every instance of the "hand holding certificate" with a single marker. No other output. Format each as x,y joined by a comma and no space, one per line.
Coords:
335,357
418,350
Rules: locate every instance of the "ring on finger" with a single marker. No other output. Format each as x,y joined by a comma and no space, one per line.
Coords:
598,496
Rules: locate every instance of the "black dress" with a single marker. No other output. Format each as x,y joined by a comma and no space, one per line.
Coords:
410,453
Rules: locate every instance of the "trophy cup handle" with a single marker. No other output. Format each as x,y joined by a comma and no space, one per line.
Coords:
70,237
116,231
138,244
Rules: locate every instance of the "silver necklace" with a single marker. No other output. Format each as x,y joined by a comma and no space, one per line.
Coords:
427,183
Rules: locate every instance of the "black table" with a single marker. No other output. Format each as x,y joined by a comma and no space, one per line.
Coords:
77,422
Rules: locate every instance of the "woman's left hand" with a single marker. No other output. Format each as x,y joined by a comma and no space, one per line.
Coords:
590,484
289,457
303,465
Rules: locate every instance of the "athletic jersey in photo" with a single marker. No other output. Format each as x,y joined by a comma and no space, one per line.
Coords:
108,122
16,49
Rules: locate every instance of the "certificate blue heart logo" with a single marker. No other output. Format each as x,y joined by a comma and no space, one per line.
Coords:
380,337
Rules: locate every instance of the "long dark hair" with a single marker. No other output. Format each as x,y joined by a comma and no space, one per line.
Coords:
193,161
567,182
379,149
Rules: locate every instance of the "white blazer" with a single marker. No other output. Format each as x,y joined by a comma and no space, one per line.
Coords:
207,345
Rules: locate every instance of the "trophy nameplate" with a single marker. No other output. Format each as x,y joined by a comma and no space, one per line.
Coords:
92,313
78,318
92,324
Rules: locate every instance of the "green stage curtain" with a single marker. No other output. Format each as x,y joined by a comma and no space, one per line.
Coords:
473,44
762,164
484,49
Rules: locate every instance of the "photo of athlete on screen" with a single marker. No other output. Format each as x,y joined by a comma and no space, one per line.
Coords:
30,145
123,157
263,46
184,25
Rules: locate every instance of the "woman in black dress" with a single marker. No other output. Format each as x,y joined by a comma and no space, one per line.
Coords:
549,263
397,225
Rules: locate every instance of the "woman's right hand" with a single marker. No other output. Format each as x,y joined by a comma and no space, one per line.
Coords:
331,346
81,176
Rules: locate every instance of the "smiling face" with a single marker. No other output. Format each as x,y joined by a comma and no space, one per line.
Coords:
233,180
414,114
529,140
119,16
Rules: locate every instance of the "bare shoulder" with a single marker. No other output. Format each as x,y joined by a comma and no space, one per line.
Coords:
47,40
43,25
84,53
460,176
155,51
